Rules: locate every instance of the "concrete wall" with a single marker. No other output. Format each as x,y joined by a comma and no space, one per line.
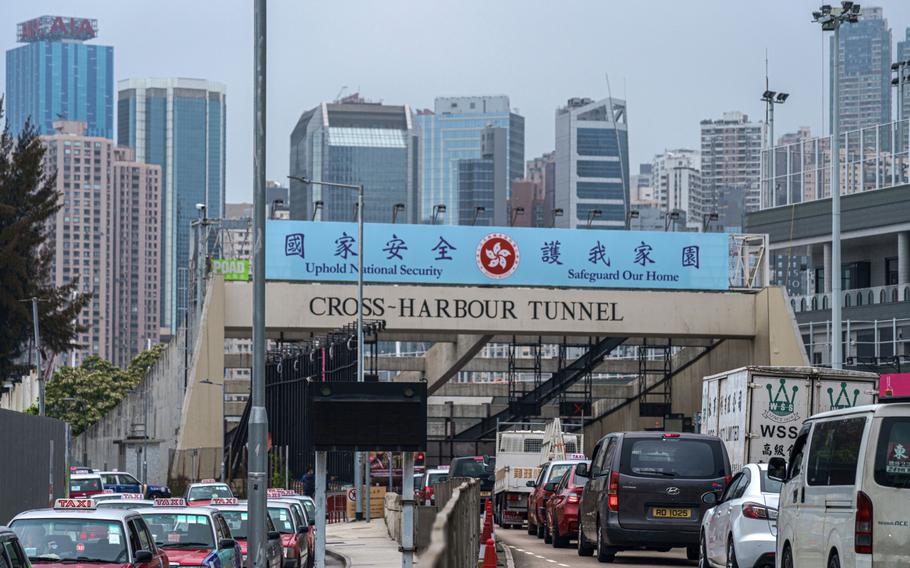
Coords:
112,442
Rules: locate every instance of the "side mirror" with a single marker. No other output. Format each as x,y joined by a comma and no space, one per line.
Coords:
531,484
709,498
226,543
777,469
143,556
582,469
274,535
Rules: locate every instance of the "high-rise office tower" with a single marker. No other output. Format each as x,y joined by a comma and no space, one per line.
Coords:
56,76
730,167
902,53
542,171
483,186
178,124
453,132
106,235
676,178
356,142
864,73
592,164
641,188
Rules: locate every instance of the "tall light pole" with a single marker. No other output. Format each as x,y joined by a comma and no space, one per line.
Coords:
38,372
515,214
900,81
257,436
358,458
593,214
771,98
437,209
477,212
558,212
317,207
831,20
671,216
395,210
706,220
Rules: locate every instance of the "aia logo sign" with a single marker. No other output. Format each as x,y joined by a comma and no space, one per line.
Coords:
497,255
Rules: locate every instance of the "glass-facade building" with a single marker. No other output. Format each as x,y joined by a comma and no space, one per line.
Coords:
475,190
592,164
58,77
178,124
354,142
453,132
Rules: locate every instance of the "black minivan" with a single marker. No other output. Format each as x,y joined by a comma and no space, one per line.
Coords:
645,492
482,468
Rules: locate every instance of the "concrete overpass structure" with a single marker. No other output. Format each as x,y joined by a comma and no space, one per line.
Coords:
715,331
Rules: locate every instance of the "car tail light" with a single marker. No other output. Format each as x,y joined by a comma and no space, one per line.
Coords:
572,498
863,534
671,435
757,511
578,490
613,492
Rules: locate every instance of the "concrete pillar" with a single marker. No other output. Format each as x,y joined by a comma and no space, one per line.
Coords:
827,267
903,258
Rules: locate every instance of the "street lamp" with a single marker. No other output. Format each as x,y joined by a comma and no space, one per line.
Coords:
359,189
437,209
671,216
706,220
317,207
900,81
831,20
771,98
632,214
477,212
592,214
558,212
395,209
223,419
276,204
515,213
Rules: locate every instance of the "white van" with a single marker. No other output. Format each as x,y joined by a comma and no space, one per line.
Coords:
846,494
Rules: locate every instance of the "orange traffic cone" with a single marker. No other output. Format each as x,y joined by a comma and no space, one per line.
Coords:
489,554
487,522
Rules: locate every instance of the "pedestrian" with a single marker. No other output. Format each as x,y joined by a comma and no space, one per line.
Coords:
309,483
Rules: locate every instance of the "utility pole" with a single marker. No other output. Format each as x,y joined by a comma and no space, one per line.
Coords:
39,373
257,439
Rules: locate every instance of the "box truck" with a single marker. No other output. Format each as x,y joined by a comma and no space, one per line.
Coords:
758,411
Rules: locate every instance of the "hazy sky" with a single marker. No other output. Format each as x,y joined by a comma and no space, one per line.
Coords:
676,62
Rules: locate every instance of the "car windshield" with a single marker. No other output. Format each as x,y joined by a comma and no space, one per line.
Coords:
310,508
673,457
77,540
892,457
580,480
237,522
769,485
175,530
418,483
282,519
437,478
472,468
85,484
207,492
557,471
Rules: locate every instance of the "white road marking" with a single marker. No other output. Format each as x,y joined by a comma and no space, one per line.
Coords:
564,565
552,561
528,552
539,556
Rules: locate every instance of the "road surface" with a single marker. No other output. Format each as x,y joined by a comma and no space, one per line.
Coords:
531,552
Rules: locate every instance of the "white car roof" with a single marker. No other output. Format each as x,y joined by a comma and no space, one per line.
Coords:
437,471
137,502
117,515
880,409
207,511
85,476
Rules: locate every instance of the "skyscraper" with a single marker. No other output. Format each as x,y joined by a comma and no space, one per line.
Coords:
356,142
452,132
106,235
676,179
902,53
55,76
484,182
730,167
864,73
592,164
178,124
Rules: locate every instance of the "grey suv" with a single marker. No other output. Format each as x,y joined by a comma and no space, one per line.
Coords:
645,492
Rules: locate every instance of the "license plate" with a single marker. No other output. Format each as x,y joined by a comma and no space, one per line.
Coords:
484,493
670,513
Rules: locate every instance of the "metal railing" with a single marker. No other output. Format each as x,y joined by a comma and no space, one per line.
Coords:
877,340
455,538
852,298
872,158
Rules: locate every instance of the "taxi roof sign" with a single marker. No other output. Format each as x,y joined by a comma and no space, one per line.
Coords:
83,504
576,457
208,481
108,491
272,493
132,496
170,502
225,501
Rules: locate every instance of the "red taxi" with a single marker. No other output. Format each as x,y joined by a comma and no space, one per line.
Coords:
235,515
85,484
562,508
202,493
537,500
191,536
297,540
76,533
125,501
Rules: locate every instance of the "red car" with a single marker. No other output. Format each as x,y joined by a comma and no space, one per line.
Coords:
537,500
562,508
297,537
85,484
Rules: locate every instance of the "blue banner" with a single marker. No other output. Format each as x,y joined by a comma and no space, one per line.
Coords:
446,254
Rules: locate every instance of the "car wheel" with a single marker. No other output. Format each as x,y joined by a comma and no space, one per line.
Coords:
584,547
702,552
834,561
541,528
787,557
604,553
731,554
532,528
548,533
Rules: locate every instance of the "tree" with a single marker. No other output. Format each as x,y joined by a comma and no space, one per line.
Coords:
83,395
28,204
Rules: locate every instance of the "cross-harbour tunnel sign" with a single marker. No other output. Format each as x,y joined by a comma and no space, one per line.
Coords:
497,256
